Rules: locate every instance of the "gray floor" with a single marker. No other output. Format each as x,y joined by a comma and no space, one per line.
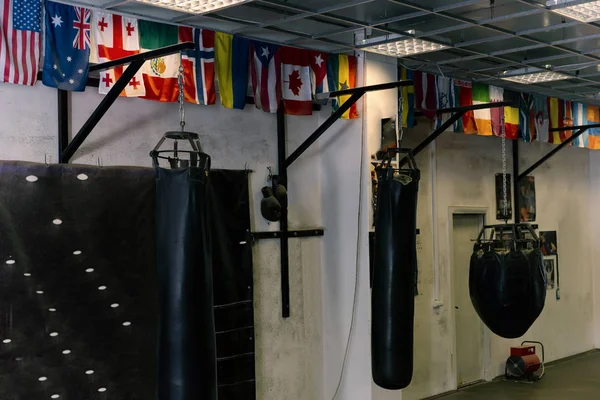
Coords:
576,378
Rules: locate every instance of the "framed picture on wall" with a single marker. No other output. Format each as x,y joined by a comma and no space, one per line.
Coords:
550,266
527,209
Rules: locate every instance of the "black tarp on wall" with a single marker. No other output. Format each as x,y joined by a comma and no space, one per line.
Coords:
59,318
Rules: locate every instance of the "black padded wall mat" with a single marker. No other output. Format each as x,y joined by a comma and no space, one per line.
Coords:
78,301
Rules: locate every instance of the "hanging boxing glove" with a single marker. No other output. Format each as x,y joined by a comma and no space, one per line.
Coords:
269,206
281,195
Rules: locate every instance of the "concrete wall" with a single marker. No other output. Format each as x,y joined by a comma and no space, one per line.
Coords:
301,358
465,166
289,352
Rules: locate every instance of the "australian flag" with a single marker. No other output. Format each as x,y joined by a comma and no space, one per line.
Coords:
67,58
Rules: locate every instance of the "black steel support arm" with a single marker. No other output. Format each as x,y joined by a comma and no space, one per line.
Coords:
283,162
457,112
147,55
579,131
355,95
135,63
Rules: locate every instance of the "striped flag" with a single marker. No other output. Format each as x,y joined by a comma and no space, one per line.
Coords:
20,43
265,71
593,117
483,118
424,84
555,110
580,118
342,74
542,120
526,117
406,98
318,73
511,115
231,66
464,96
444,89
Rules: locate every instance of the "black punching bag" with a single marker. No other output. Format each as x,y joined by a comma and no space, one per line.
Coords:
187,358
394,277
507,288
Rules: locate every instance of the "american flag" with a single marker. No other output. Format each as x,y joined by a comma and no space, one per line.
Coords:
82,25
20,47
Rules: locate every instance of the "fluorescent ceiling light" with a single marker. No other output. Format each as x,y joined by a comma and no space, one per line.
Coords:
584,11
406,47
537,77
195,6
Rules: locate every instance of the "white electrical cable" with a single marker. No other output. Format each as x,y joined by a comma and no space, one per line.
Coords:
357,265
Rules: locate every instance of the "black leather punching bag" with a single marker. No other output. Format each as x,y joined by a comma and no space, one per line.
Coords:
187,359
394,275
507,289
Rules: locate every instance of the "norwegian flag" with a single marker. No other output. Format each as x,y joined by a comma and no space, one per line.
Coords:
82,26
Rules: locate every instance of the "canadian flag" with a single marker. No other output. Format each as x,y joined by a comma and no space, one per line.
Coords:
296,83
116,37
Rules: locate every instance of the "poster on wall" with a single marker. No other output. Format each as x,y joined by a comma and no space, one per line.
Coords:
503,211
549,247
527,209
548,242
550,268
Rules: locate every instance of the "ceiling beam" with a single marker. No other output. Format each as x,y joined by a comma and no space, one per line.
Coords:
304,15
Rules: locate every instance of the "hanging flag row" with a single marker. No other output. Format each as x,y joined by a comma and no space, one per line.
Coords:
76,37
530,119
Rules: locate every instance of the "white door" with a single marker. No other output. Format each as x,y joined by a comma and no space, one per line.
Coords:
469,328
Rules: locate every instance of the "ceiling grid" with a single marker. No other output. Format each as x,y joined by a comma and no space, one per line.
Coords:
490,40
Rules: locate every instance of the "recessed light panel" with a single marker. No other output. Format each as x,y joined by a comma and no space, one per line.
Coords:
538,77
406,47
195,6
581,11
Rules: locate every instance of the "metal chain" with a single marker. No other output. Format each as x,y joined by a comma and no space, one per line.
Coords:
181,93
400,119
504,188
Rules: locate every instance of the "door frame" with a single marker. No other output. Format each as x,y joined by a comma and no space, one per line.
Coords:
486,355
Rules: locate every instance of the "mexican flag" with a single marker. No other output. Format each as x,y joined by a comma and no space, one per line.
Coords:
161,74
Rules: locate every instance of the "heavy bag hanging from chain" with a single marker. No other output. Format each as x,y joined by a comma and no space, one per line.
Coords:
507,281
187,361
394,276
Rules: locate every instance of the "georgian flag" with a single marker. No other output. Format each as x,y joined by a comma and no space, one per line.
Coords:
116,37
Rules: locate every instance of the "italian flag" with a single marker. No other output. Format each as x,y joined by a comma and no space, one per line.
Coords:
161,74
483,118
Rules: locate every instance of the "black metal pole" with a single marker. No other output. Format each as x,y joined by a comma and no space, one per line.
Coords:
63,123
283,224
326,125
516,191
372,88
553,152
102,108
145,56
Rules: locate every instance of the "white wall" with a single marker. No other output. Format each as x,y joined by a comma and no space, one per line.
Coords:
289,352
466,165
301,358
593,232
